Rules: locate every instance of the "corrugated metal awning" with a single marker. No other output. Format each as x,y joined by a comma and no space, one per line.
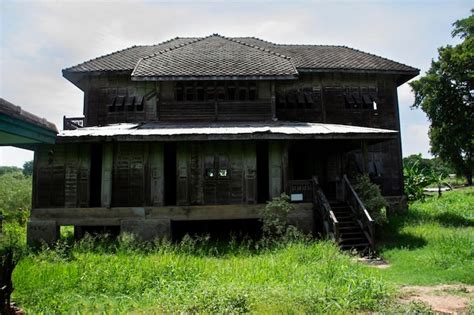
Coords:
226,131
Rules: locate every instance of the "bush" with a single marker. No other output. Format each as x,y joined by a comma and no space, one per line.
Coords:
275,215
11,251
372,198
416,178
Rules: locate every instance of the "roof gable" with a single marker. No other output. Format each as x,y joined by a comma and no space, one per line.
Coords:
214,57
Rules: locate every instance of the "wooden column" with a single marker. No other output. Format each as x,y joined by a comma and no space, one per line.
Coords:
273,100
182,191
107,165
275,172
156,174
365,156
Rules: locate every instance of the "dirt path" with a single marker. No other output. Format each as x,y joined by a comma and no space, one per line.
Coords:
444,299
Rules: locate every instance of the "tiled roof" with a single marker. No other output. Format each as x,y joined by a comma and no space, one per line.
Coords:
212,57
325,57
240,56
126,59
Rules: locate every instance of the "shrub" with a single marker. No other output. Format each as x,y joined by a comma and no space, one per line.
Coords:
11,252
275,215
416,179
372,198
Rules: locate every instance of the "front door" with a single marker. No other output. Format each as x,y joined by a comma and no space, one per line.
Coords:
217,179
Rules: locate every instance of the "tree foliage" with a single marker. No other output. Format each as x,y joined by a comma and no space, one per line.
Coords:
28,168
372,198
446,95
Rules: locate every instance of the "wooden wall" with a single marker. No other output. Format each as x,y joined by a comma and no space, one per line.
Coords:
61,177
330,107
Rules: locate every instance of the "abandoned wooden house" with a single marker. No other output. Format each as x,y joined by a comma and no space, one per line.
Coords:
203,129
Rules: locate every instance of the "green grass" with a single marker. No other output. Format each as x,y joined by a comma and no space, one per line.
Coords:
433,243
298,277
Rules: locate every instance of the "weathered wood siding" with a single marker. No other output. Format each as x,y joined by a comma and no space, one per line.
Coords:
330,106
198,178
61,176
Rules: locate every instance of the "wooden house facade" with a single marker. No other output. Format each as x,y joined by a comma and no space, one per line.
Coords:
211,128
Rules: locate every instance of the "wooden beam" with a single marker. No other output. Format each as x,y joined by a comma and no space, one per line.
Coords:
107,165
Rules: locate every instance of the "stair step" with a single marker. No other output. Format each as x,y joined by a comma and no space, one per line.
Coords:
352,234
353,241
355,246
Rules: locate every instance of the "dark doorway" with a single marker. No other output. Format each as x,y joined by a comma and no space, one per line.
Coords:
262,171
217,230
170,173
96,175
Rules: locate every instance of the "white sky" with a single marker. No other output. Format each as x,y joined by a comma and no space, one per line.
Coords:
39,38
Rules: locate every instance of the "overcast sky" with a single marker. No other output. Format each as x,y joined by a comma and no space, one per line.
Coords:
38,39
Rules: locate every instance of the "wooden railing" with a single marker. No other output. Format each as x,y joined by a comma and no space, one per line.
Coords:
359,210
302,187
73,123
331,225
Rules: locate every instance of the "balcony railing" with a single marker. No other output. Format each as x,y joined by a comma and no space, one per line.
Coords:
72,123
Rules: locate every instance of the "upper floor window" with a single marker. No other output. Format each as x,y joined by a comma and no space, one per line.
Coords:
221,91
298,98
125,103
362,98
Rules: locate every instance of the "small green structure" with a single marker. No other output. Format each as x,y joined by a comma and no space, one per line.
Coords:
20,128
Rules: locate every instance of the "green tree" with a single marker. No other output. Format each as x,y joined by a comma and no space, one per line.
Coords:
28,168
446,95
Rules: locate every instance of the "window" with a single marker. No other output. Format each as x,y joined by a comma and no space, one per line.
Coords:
297,98
210,173
222,172
210,91
365,99
216,167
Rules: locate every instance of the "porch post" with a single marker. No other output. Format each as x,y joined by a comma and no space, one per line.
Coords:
107,164
365,156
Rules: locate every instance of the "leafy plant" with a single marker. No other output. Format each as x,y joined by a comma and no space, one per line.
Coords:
11,252
275,215
415,180
370,195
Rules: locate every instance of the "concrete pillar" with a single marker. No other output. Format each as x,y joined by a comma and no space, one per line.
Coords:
147,229
38,232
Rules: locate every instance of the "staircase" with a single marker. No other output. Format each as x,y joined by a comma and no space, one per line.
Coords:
351,235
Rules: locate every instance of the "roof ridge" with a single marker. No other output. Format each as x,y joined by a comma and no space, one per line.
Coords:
254,46
191,41
165,51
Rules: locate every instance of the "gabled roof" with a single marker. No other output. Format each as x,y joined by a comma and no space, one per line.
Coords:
214,57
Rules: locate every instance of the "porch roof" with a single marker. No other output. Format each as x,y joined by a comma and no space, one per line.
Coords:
194,131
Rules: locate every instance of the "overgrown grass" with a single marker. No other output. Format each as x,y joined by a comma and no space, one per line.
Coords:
15,195
433,243
196,276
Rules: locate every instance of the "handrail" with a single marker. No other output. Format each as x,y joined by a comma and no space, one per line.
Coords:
356,197
357,206
322,204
